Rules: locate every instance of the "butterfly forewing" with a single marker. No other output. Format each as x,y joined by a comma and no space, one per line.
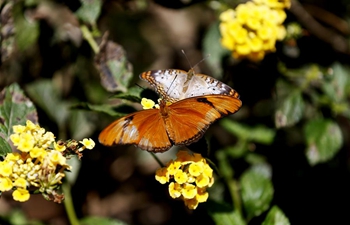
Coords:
175,85
190,118
146,129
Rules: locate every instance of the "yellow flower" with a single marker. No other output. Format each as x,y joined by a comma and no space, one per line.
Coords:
31,126
88,143
162,175
173,167
189,191
5,184
202,181
21,195
36,167
5,169
252,29
191,203
15,138
195,169
39,153
147,103
55,157
18,129
20,183
189,176
12,157
202,195
180,177
26,142
175,190
227,15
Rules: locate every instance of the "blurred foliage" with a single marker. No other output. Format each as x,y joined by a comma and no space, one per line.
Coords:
283,158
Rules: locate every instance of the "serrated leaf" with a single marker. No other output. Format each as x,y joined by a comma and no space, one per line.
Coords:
259,134
15,109
100,221
115,69
323,138
290,109
89,11
276,217
257,192
47,97
213,48
222,214
4,147
27,29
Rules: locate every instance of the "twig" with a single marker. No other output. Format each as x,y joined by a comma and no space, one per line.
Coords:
338,42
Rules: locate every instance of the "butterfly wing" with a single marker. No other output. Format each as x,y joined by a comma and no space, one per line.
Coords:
145,129
175,85
188,119
168,83
201,85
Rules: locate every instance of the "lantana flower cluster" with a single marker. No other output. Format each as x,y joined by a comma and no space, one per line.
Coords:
252,29
188,176
39,164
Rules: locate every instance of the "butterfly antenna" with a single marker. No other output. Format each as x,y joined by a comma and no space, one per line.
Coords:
192,67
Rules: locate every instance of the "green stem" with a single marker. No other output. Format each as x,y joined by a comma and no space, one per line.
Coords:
68,204
156,158
89,38
234,191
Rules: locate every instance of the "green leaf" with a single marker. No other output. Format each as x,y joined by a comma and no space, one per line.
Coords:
323,139
108,109
224,165
81,125
100,221
290,109
259,134
133,94
89,11
276,217
27,29
115,69
15,109
257,192
213,48
336,88
72,175
222,214
4,147
48,98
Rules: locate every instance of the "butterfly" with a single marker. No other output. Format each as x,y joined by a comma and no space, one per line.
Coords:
176,84
180,123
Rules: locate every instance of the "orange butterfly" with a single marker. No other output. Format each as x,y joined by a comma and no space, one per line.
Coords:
180,123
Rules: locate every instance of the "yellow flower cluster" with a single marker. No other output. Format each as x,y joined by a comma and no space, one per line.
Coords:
39,164
189,176
149,103
252,29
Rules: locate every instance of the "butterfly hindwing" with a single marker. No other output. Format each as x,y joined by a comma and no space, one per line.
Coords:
145,128
189,118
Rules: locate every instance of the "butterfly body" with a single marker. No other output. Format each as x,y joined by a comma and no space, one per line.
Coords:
180,123
176,84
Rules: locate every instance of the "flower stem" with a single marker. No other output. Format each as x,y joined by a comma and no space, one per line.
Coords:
68,204
156,158
89,38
